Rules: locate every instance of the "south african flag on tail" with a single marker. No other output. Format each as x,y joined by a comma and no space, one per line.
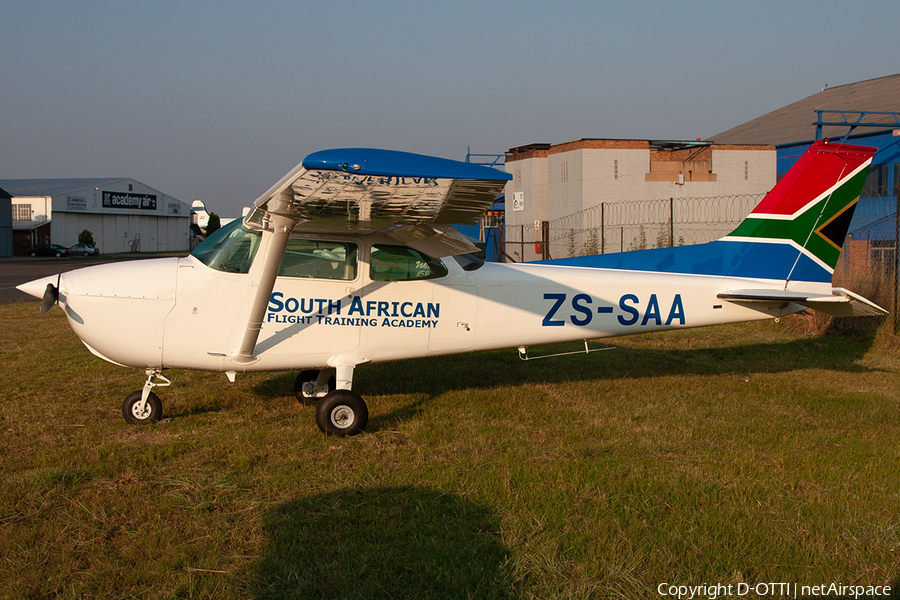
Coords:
807,215
810,209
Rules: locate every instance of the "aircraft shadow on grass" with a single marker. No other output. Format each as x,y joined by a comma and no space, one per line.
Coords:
384,542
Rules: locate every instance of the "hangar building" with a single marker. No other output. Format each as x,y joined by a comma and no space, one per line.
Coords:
869,111
866,113
124,215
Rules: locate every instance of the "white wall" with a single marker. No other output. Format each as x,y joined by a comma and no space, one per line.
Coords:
116,229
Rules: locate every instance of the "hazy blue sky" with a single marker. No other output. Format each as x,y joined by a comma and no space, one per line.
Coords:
218,100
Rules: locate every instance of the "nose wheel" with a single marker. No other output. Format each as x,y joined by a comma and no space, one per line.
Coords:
141,413
143,406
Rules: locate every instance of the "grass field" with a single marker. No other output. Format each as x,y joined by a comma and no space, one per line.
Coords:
731,454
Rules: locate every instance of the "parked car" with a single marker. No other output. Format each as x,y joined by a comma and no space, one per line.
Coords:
83,250
49,250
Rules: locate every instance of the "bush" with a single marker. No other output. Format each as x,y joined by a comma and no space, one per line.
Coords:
213,223
86,237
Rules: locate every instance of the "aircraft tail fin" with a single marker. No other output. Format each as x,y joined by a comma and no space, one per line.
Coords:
811,207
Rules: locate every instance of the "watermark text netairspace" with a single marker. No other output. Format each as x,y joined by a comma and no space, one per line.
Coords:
770,590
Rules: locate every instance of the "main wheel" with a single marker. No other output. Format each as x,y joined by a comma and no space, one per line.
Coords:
306,396
32,253
151,413
342,413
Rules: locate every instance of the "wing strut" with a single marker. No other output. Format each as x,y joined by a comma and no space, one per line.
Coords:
282,227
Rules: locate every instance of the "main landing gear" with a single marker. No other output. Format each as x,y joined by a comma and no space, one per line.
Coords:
312,386
339,410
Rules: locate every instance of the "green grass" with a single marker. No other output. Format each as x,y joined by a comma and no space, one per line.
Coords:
731,454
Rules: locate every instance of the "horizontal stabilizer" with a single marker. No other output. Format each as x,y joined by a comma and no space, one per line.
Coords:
841,303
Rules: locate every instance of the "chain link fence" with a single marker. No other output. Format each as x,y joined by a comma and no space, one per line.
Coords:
630,225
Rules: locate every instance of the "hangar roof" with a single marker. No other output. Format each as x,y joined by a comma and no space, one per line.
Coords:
794,122
51,187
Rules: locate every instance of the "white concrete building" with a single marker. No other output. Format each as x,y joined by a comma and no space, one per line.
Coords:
123,215
555,181
559,180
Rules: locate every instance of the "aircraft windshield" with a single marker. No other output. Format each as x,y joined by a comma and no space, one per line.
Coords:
230,249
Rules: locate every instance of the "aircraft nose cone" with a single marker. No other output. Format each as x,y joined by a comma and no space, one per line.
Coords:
37,287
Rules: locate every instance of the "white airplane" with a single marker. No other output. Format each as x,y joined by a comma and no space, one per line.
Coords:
351,259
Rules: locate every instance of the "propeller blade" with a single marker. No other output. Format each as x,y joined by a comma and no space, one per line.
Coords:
51,297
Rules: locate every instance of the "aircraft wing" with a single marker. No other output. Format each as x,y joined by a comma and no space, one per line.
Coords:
841,303
411,198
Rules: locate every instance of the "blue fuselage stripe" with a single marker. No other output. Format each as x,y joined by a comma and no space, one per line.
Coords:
757,260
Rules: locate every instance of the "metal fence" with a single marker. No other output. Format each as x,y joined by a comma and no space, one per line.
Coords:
630,225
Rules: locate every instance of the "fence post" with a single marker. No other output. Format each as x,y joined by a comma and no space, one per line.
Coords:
671,222
545,240
896,255
603,228
522,243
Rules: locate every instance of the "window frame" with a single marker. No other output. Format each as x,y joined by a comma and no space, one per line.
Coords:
431,261
347,242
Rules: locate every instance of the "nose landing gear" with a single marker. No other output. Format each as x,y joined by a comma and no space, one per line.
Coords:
143,406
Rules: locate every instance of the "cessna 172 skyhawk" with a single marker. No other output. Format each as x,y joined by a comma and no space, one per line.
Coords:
351,259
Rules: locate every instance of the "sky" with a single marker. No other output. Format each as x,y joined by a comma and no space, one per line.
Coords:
217,100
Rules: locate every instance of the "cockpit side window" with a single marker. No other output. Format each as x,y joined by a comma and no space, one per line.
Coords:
230,249
319,259
399,263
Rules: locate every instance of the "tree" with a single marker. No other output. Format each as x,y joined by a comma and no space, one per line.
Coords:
86,237
591,246
213,223
640,242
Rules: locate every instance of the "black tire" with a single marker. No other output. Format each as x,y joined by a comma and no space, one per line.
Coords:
85,253
306,376
58,254
342,413
152,413
32,254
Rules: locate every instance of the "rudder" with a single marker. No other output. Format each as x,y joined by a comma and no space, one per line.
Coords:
811,207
